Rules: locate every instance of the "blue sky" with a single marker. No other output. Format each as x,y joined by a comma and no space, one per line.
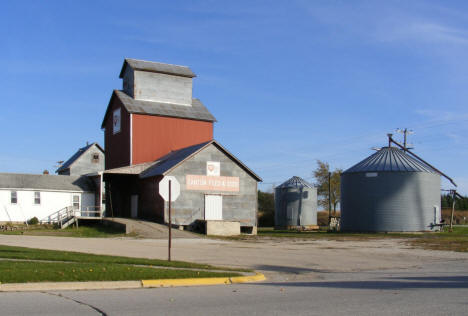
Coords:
290,82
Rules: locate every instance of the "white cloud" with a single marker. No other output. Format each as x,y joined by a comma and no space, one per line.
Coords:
422,31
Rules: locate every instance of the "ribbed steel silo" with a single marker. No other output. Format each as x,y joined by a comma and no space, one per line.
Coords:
390,191
295,204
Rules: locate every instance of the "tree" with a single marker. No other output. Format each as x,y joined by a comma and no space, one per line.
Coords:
321,178
266,209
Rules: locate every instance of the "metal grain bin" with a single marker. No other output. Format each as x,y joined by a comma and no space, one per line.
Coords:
295,204
390,191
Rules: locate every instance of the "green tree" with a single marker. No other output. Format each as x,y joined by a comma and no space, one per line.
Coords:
321,181
266,209
460,204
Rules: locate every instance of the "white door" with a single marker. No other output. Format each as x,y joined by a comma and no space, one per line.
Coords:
213,207
134,206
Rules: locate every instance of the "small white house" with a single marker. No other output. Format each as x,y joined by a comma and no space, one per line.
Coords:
24,196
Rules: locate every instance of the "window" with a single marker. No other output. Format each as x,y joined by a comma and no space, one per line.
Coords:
95,158
14,197
76,202
103,197
37,198
116,121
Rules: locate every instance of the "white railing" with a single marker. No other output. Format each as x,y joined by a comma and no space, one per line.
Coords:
60,217
70,214
91,211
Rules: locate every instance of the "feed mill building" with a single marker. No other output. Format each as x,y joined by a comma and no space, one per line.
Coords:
154,128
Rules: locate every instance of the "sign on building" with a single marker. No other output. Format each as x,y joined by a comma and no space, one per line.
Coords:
213,168
210,183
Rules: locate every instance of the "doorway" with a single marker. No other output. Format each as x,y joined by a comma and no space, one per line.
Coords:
213,207
134,206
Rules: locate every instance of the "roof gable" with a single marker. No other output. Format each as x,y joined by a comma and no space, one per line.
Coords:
169,162
67,164
195,112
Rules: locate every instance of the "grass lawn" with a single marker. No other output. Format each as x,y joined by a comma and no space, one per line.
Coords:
451,241
31,271
9,252
88,230
454,241
37,265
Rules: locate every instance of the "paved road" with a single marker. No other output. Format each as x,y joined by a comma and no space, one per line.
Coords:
433,289
304,278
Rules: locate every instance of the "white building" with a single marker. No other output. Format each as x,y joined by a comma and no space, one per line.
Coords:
24,196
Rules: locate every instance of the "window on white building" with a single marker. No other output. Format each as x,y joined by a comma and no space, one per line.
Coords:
37,198
14,197
76,202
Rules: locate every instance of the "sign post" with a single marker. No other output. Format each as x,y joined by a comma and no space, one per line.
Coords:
169,190
170,226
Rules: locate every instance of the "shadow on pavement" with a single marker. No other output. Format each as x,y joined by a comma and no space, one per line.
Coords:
391,283
291,270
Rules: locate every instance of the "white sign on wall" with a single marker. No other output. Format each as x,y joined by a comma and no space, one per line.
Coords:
116,121
213,168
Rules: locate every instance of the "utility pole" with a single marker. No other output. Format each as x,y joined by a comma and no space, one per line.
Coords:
453,192
405,133
329,198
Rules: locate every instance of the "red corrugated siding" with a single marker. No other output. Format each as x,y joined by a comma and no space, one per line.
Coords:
117,147
156,136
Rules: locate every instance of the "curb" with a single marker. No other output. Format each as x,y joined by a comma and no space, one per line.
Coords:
116,285
202,281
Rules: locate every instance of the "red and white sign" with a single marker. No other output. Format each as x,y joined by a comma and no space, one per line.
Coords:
211,183
213,168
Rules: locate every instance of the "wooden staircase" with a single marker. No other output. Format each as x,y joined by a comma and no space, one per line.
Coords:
70,215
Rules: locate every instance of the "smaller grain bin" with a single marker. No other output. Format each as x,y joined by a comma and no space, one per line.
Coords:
295,204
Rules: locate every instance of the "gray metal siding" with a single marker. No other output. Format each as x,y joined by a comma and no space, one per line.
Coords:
295,206
85,164
237,206
391,201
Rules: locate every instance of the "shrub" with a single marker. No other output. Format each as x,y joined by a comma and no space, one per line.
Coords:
33,221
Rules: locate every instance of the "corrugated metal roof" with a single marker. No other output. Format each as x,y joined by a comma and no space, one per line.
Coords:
171,160
156,67
77,155
295,182
45,182
131,170
165,164
195,112
390,159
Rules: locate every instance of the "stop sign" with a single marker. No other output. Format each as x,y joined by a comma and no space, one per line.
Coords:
164,188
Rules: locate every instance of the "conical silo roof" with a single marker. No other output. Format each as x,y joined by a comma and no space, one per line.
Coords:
390,159
295,182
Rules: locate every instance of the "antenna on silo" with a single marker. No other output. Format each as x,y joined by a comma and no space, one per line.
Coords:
405,133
